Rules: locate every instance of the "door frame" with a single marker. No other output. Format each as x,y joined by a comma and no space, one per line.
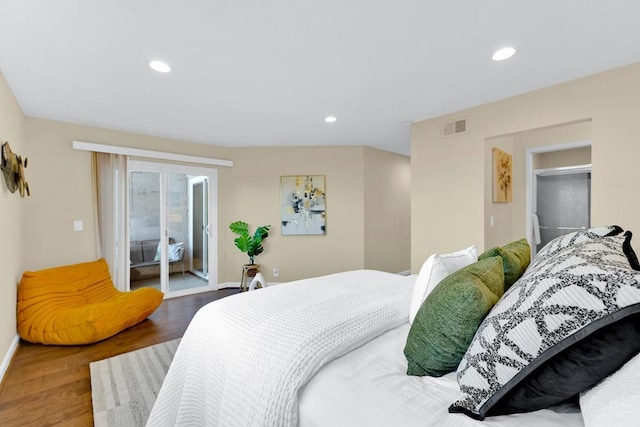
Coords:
201,179
163,169
530,181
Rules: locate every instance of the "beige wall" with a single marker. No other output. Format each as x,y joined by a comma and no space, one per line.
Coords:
60,179
509,218
448,189
554,135
387,217
564,158
11,219
502,213
254,196
61,189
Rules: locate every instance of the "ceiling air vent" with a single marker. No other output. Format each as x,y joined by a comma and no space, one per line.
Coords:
455,127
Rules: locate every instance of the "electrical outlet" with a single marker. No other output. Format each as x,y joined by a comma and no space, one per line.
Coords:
276,272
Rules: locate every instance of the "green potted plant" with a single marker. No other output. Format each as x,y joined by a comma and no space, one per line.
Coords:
252,245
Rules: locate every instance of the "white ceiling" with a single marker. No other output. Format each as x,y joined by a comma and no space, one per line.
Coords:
266,73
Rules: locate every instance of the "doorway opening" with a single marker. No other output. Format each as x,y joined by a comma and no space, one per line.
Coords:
558,199
562,202
171,209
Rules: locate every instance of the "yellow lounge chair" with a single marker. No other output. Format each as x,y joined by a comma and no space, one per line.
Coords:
78,304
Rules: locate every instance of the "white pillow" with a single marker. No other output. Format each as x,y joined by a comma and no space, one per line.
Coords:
436,268
174,252
614,401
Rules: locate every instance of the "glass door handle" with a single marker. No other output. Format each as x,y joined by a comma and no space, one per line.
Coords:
207,229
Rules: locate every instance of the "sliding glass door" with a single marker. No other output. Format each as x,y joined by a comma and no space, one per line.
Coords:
172,212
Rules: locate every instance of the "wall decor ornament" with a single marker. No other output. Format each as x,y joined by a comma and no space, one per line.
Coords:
303,205
13,166
502,176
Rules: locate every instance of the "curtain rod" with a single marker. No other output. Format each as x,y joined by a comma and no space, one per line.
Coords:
138,152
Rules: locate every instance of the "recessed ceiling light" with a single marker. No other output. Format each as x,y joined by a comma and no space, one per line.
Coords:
330,119
159,66
504,53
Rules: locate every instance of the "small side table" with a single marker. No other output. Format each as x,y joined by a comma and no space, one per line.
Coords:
249,271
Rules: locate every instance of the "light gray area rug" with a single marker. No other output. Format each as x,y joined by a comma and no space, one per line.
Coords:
124,387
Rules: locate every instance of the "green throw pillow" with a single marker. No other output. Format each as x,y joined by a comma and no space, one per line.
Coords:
515,258
448,319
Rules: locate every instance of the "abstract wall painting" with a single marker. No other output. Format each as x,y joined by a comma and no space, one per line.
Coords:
303,205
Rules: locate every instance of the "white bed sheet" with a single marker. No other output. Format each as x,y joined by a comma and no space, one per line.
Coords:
243,359
369,387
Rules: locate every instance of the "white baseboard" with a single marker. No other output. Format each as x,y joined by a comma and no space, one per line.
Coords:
7,357
405,273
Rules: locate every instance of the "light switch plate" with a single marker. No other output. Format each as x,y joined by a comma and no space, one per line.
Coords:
77,225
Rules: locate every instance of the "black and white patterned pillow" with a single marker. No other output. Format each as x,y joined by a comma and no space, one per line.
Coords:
570,299
566,240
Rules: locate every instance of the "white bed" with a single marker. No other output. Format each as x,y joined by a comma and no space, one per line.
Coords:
369,387
319,352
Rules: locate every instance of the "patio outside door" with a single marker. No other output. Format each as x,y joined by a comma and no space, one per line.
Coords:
164,212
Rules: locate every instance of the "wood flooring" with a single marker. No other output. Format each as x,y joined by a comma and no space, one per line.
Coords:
51,385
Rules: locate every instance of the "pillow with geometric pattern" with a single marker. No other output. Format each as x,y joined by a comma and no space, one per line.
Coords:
571,320
569,239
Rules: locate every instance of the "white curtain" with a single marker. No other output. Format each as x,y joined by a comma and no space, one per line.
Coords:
110,184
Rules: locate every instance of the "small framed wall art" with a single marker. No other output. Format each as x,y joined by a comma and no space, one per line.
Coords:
12,166
502,176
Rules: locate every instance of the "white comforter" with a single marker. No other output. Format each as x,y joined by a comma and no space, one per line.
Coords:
369,387
244,358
